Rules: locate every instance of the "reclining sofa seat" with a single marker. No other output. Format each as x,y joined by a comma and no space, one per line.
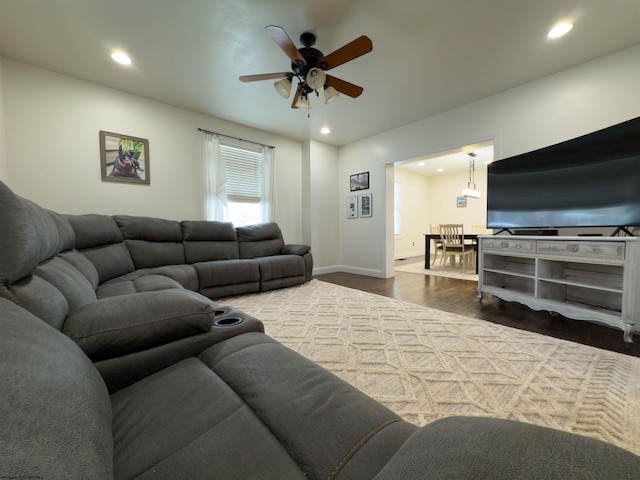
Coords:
130,328
248,407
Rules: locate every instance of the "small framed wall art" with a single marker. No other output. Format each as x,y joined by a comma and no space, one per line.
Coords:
352,206
461,202
365,205
124,158
359,181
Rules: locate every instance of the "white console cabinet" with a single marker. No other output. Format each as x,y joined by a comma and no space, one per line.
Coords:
585,278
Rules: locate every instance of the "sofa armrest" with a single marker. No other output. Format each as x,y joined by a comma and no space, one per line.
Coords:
497,449
115,326
295,249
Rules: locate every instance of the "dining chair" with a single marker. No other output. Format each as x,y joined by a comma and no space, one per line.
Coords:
437,242
452,236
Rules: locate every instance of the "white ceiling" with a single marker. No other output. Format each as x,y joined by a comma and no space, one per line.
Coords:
447,163
429,56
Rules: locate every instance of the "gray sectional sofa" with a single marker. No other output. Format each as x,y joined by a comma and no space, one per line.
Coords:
120,368
135,293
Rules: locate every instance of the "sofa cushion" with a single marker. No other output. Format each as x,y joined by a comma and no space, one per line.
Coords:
136,284
260,240
55,413
206,431
29,234
329,428
152,242
118,325
93,230
209,240
227,272
83,265
110,261
497,449
66,278
99,239
42,299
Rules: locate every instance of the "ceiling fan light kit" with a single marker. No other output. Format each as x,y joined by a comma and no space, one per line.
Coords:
309,67
330,94
283,87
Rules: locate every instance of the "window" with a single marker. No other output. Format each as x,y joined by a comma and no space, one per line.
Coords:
397,208
244,184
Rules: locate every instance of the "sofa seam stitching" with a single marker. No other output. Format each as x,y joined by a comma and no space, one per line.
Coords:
85,335
359,444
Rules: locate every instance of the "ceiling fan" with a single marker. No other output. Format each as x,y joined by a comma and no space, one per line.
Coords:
309,65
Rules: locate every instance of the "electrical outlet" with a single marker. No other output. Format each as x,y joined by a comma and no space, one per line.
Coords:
413,244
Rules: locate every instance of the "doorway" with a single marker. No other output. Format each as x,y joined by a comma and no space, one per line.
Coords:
428,190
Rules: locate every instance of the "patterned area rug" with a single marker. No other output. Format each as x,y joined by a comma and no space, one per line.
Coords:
426,364
454,271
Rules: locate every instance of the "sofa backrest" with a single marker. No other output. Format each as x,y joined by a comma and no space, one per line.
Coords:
56,287
152,242
209,240
29,234
54,403
100,240
261,240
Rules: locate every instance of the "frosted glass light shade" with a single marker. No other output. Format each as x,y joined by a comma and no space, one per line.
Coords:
303,102
467,192
283,87
330,94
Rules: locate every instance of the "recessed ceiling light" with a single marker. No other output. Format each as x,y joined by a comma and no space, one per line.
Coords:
121,57
325,131
440,170
421,164
559,30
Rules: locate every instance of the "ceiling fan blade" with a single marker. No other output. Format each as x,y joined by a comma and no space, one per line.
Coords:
296,96
348,52
265,76
284,42
344,87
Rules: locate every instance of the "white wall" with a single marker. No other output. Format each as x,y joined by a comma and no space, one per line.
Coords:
432,200
443,193
52,125
416,211
324,206
583,99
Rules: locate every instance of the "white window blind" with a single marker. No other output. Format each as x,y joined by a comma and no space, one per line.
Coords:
243,172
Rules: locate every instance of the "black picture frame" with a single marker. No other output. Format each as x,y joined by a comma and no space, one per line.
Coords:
359,181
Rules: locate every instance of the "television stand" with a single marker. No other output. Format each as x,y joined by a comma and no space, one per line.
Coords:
581,278
617,231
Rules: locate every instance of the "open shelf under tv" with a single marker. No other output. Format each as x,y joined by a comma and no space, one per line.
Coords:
591,279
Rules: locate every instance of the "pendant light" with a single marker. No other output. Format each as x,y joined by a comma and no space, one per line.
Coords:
469,191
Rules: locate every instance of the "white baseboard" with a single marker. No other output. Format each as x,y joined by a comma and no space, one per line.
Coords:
348,269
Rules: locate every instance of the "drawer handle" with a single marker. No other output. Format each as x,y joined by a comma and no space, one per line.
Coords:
573,248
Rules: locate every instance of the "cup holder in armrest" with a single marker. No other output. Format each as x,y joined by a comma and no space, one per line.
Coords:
227,321
228,316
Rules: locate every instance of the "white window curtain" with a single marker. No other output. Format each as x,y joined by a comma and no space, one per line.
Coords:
267,198
214,178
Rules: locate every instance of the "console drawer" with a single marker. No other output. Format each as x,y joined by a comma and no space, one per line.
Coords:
509,245
604,250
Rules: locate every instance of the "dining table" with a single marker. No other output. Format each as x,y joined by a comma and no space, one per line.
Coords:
436,236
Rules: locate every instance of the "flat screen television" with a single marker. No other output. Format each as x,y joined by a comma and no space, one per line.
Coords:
589,181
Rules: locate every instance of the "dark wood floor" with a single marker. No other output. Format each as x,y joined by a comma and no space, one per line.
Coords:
460,296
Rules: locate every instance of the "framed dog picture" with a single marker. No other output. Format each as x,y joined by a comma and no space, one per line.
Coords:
124,158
